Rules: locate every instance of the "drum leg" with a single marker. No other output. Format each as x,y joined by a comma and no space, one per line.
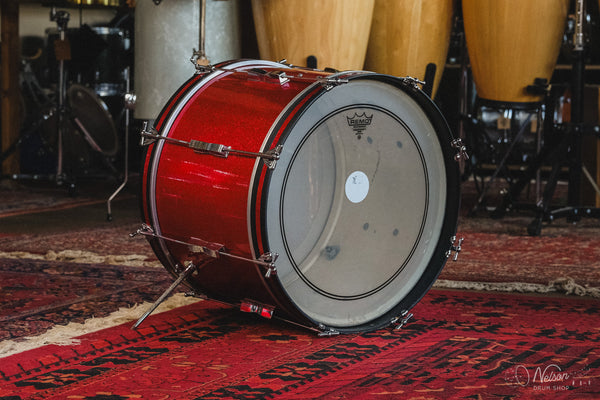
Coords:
129,103
187,272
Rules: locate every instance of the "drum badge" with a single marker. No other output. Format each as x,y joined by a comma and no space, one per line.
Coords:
359,123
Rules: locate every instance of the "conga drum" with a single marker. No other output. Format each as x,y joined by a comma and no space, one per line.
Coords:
327,200
165,36
407,35
511,43
335,32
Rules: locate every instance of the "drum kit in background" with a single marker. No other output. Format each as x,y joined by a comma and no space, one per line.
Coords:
519,116
78,102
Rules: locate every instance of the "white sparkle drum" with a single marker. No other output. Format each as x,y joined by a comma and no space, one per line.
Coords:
350,178
165,37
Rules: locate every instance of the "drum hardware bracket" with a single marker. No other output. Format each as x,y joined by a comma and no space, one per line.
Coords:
269,157
251,306
414,82
456,247
270,259
196,295
462,150
400,321
281,76
214,250
190,268
327,331
330,82
147,135
200,68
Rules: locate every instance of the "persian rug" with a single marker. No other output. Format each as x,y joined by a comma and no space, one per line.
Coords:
37,295
458,345
16,199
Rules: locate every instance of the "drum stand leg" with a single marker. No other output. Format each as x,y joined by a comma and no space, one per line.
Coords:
187,272
129,101
62,54
501,166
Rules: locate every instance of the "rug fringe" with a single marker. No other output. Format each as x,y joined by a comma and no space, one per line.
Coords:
565,285
86,257
65,335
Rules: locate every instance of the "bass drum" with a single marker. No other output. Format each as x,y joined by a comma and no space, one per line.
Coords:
349,178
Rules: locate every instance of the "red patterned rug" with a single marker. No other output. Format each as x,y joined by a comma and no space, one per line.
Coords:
37,295
459,345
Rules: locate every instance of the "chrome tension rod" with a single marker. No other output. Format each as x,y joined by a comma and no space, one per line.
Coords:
270,157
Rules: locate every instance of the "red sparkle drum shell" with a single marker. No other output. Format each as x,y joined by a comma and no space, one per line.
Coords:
361,206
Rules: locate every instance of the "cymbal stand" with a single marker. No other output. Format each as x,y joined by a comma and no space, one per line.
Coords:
62,53
129,100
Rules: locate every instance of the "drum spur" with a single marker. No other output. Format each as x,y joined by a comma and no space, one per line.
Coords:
191,267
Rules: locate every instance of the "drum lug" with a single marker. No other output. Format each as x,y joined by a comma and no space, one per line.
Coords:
462,150
280,76
400,321
269,259
148,136
329,83
414,82
251,306
456,247
327,331
272,156
199,246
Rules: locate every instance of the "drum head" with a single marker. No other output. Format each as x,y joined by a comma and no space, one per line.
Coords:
357,205
93,119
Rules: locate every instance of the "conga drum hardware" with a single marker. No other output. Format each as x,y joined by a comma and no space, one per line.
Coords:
510,44
360,211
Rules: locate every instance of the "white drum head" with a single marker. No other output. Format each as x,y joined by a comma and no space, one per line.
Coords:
356,203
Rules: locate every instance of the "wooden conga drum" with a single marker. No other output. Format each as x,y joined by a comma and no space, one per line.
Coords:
511,43
336,32
406,35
